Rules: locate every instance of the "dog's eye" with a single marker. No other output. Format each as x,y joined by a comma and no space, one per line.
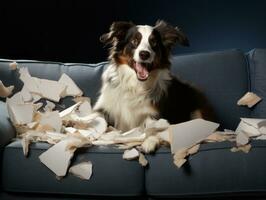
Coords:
153,42
134,42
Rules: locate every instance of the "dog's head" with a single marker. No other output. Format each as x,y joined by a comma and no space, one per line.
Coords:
144,48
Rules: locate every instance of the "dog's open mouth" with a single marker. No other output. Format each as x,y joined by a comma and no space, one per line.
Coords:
142,70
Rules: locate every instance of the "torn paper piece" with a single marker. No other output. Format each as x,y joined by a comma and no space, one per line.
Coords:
99,124
35,97
5,91
49,106
81,99
16,99
27,97
82,170
194,149
71,88
219,136
25,145
253,127
133,135
130,154
13,65
37,106
246,148
185,135
262,137
20,113
249,99
69,110
28,80
110,135
242,139
179,157
32,125
49,89
84,109
142,160
52,119
129,145
57,158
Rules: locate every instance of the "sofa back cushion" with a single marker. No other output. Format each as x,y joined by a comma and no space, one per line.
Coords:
257,64
222,76
86,76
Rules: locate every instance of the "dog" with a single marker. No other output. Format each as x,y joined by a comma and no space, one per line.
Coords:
137,85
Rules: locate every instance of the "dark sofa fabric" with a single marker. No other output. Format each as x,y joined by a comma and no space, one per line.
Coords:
7,131
215,170
223,76
257,63
112,175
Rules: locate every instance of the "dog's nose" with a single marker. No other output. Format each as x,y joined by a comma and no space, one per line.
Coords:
144,55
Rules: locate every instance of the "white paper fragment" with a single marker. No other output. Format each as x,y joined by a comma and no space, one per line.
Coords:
242,139
185,135
69,110
5,91
49,106
99,124
251,126
130,154
262,137
20,113
82,170
49,89
84,109
52,119
71,88
27,97
28,80
142,160
133,135
249,99
57,158
13,65
35,97
179,157
25,146
245,148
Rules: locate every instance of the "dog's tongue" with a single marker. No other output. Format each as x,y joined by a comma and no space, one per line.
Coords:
142,72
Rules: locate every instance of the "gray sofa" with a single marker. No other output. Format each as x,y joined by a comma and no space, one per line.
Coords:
224,76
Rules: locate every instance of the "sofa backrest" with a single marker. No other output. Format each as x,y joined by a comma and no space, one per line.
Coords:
223,76
86,76
257,64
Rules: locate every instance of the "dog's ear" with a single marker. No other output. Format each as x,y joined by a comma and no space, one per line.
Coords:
118,31
171,35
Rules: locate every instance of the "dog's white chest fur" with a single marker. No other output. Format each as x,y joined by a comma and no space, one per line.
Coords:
125,98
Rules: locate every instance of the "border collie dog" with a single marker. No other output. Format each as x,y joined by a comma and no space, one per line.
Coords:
138,86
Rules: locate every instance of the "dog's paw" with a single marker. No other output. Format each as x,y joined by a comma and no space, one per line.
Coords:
150,143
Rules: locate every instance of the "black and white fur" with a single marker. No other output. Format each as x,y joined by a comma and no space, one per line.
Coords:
138,86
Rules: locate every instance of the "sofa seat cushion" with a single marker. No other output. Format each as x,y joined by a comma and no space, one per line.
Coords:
222,76
257,64
111,176
213,170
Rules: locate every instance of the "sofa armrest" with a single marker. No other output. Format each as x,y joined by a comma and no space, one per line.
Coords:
7,131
